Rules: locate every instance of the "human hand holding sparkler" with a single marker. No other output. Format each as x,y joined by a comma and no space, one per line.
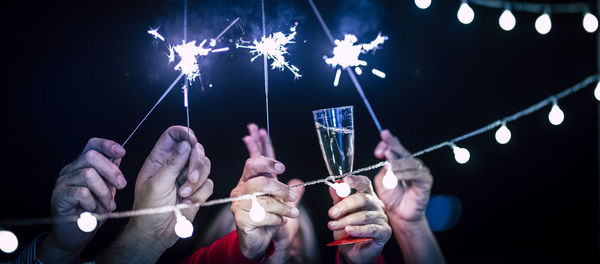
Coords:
405,205
360,215
176,171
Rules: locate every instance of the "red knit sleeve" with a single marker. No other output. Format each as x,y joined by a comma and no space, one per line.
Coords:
225,250
338,258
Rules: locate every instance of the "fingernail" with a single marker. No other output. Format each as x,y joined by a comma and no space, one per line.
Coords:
349,229
186,190
295,212
279,167
121,181
194,176
334,224
335,212
379,152
118,150
184,147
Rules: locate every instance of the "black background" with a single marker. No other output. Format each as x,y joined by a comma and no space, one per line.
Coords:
75,70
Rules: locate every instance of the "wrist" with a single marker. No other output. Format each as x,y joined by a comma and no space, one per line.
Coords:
50,251
134,246
409,228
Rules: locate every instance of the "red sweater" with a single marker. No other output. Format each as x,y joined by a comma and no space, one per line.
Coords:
227,250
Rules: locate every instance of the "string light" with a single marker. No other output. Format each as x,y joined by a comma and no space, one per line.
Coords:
556,116
503,134
590,22
342,189
465,13
423,4
183,226
87,222
8,241
597,91
543,24
389,181
257,212
461,155
507,20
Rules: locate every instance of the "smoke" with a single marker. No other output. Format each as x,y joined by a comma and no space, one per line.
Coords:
359,17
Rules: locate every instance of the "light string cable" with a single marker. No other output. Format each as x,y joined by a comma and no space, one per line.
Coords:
565,8
348,69
168,209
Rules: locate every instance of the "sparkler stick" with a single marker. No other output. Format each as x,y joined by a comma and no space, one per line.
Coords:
152,109
226,29
350,72
266,74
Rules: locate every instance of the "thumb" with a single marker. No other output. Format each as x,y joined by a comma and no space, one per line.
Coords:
378,181
299,191
171,169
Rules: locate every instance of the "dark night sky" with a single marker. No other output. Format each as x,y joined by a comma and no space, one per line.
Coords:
88,69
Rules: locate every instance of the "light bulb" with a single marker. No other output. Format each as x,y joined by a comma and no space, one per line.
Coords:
590,22
597,91
257,212
465,14
461,155
543,24
183,227
87,222
342,189
423,4
503,134
8,241
389,181
556,116
507,20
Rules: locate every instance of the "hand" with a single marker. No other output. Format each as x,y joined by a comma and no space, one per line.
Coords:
359,215
176,171
255,237
403,204
258,142
285,248
87,184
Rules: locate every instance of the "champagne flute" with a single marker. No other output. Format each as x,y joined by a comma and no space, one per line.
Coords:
335,130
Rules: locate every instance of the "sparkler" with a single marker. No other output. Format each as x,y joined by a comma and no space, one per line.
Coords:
155,34
274,47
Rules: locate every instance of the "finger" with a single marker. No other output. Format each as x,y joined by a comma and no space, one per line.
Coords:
167,175
271,205
378,182
336,199
261,166
78,196
359,183
251,146
351,204
107,169
358,218
165,147
107,147
198,173
394,143
270,219
89,178
200,196
253,131
412,170
377,232
266,141
271,186
380,150
298,191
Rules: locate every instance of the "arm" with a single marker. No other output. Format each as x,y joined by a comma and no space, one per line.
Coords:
405,206
176,171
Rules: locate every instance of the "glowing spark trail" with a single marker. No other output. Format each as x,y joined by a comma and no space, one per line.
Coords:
155,34
346,52
188,52
274,47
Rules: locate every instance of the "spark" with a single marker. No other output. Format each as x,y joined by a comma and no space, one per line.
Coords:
378,73
220,50
346,52
358,70
274,47
336,81
188,53
155,34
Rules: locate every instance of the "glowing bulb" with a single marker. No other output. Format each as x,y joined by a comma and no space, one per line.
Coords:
257,212
590,22
342,189
507,21
597,91
556,116
423,4
87,222
183,227
390,181
503,134
465,14
461,155
8,241
543,24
